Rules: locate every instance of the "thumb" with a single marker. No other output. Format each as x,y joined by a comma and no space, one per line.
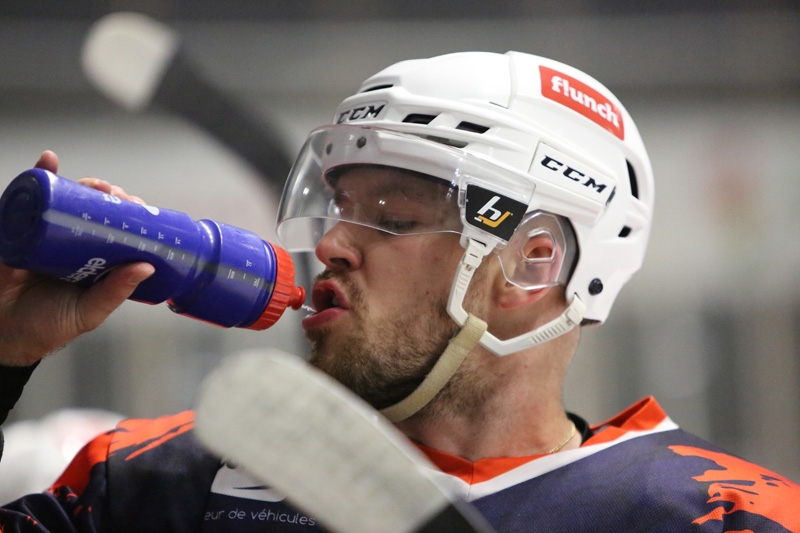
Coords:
103,298
48,161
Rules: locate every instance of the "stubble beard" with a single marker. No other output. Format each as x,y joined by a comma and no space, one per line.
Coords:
384,360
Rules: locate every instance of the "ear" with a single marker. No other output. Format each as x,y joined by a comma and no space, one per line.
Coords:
539,248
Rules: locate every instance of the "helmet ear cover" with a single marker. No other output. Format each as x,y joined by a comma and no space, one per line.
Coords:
541,253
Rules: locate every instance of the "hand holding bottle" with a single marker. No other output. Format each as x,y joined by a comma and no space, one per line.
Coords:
82,235
39,315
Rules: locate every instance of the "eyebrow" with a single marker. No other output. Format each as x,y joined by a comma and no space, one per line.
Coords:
405,189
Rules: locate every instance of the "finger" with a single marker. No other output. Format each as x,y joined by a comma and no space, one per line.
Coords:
48,161
119,192
108,188
97,184
97,303
136,199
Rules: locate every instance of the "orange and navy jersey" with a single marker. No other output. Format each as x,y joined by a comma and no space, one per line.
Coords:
145,475
637,472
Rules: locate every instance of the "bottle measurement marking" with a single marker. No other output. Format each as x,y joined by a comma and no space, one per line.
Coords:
104,231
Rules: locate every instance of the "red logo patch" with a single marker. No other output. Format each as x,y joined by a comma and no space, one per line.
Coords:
582,99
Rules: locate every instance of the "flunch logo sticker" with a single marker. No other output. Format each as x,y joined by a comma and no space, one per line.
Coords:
492,212
582,99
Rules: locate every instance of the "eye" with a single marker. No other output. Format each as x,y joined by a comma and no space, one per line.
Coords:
394,225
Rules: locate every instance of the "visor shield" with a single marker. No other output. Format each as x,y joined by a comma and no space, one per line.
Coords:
397,183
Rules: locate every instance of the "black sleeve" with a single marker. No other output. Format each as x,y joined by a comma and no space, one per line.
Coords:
12,381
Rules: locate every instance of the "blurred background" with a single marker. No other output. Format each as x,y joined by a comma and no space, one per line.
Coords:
709,326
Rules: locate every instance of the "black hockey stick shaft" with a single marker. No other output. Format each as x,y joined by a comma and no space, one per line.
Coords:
187,93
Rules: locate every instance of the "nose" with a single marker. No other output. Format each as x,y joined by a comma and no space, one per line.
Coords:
337,249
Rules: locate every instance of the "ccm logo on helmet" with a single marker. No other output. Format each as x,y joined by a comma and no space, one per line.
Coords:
361,112
583,99
571,174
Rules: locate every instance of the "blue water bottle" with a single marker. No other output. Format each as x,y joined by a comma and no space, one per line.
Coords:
204,269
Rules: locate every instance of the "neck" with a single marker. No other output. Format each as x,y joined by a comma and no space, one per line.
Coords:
498,407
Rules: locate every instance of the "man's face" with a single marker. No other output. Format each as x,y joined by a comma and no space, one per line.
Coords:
381,318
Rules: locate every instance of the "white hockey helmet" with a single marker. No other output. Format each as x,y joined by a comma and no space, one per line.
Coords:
516,138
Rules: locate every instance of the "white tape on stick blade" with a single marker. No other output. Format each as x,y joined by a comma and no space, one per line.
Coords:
337,459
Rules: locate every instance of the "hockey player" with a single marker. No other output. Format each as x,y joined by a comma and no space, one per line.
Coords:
472,211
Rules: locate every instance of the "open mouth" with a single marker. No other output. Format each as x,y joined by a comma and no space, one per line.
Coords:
328,303
326,295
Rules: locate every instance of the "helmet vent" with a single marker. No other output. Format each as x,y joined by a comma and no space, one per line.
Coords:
624,232
418,118
377,88
448,142
474,128
632,178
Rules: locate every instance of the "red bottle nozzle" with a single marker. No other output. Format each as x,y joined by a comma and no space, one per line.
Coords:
298,297
284,295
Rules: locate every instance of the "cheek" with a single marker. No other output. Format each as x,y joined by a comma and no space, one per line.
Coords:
440,273
438,263
421,272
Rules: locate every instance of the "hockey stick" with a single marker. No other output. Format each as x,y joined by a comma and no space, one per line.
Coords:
299,431
136,61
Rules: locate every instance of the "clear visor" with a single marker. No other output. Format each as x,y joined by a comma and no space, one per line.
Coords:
401,184
391,200
396,183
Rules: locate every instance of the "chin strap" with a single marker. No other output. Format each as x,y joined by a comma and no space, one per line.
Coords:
473,332
457,350
474,254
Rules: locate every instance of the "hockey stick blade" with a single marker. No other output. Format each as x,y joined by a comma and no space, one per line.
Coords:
333,456
136,61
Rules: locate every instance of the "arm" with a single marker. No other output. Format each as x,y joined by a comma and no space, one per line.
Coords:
145,475
38,316
12,381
